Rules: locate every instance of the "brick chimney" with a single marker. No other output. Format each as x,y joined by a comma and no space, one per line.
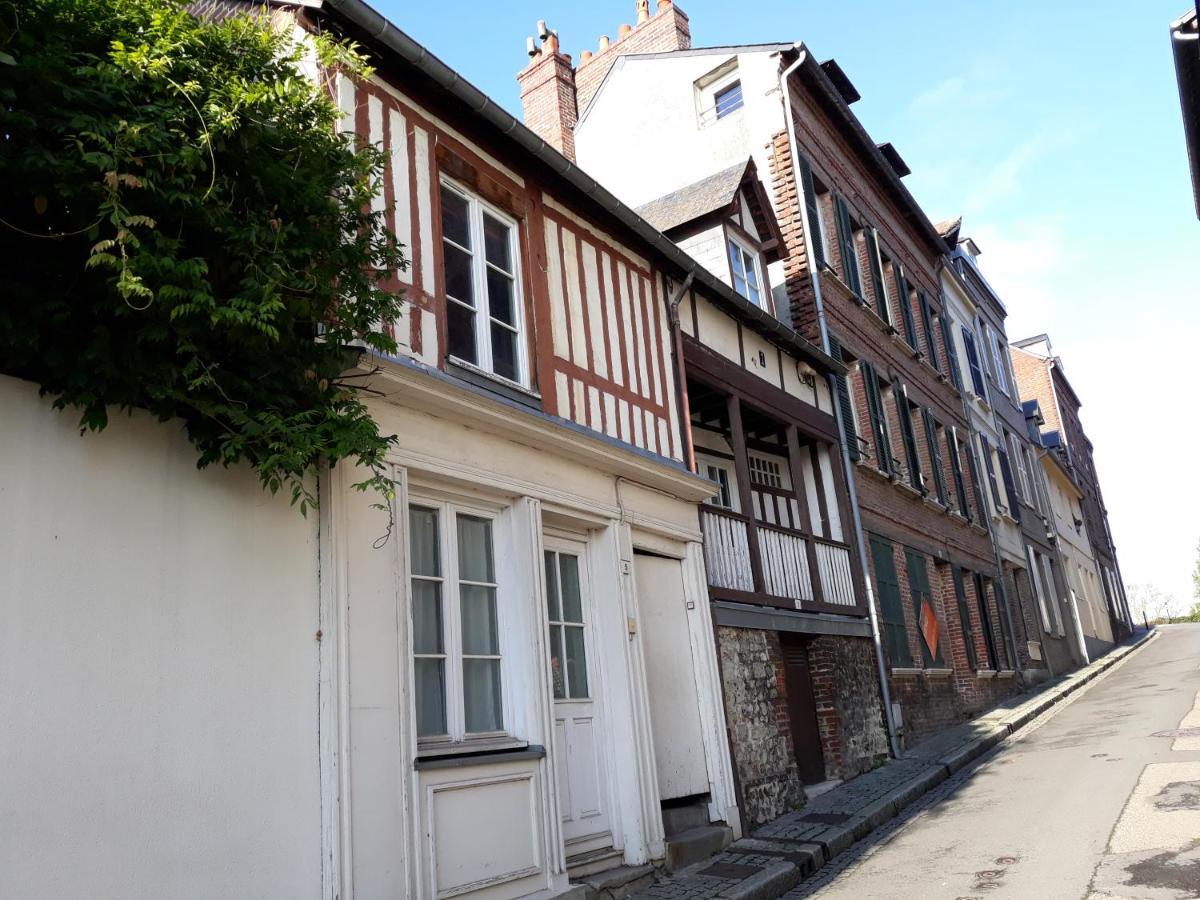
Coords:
548,94
553,92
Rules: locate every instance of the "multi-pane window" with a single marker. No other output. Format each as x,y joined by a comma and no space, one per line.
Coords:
568,644
724,495
455,623
764,471
1000,357
483,291
747,278
728,99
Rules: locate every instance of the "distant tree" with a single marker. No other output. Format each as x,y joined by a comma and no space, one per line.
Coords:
1196,575
1148,603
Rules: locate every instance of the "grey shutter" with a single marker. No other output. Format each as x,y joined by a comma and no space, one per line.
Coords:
973,363
847,247
842,383
991,471
960,487
935,458
1010,487
906,313
927,324
878,283
951,353
976,485
815,238
964,617
910,439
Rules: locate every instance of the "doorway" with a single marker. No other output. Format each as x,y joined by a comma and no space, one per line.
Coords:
802,709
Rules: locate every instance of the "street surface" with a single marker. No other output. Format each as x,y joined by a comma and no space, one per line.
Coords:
1086,803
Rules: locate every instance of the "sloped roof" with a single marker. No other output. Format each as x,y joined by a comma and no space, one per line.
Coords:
709,194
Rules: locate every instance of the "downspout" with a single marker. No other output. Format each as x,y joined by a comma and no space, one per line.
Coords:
1001,588
685,429
847,463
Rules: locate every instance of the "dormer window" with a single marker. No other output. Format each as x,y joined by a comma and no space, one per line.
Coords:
744,266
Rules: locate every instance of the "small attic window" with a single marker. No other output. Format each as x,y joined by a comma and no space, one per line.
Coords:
728,99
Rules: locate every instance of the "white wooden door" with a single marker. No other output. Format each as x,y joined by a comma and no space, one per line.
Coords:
674,700
578,731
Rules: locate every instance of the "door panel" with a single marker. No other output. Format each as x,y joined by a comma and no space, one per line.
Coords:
578,732
802,710
674,701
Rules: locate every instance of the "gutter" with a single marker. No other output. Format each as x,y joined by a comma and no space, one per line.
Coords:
847,464
1186,50
379,30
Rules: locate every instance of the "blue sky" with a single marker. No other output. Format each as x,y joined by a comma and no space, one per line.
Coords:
1054,129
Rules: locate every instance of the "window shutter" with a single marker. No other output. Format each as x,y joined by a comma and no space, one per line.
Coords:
927,324
976,486
883,445
891,609
991,471
842,383
985,620
935,458
815,238
878,283
846,245
951,353
960,486
910,439
1010,487
964,617
918,588
973,363
906,313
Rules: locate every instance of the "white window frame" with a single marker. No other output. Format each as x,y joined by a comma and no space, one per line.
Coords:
755,258
1001,369
476,207
452,647
705,464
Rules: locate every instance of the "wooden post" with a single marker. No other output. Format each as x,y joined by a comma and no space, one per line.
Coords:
798,483
737,437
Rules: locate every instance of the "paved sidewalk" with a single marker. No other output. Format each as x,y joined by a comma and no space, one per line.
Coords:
781,853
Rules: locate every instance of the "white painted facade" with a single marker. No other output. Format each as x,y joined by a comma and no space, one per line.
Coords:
159,668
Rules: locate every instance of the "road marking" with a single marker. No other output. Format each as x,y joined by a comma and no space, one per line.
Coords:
1163,812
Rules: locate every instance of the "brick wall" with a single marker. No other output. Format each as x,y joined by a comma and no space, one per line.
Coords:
849,709
757,716
548,98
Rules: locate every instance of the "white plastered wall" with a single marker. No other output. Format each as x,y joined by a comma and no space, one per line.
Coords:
158,668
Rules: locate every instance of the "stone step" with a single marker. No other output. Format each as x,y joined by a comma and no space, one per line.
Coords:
617,883
684,818
696,844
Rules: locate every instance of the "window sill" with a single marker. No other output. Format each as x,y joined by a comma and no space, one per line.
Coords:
905,672
491,381
985,673
1007,673
939,673
470,753
909,489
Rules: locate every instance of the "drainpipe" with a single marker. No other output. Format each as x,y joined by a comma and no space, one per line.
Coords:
1001,588
847,463
685,430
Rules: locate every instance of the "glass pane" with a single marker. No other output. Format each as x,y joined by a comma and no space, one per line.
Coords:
455,218
500,296
423,541
735,260
479,634
576,663
754,296
557,672
552,587
481,695
475,549
751,273
460,332
496,245
739,285
572,607
427,616
431,696
458,275
504,352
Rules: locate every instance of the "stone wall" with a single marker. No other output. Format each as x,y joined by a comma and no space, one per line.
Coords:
756,711
849,709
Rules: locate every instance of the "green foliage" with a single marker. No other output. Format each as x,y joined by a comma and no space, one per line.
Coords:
183,231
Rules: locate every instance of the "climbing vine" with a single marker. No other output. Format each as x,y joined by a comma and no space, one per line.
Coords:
183,230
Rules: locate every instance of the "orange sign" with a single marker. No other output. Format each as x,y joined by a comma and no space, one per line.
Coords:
929,628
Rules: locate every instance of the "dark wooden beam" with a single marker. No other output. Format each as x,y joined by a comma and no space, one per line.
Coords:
737,438
810,546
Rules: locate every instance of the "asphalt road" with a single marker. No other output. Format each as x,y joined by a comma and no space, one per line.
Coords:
1084,803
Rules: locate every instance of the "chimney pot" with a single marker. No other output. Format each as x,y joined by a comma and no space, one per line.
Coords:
604,43
664,4
643,11
531,47
585,56
622,31
551,44
542,31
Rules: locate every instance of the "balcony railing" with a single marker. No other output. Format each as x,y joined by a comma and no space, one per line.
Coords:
787,579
